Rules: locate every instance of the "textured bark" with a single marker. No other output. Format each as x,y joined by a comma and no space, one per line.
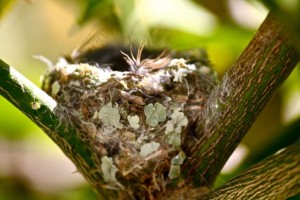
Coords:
239,99
277,177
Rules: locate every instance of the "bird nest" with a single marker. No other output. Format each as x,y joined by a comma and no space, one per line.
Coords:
138,121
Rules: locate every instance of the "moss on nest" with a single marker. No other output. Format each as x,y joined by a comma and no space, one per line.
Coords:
136,122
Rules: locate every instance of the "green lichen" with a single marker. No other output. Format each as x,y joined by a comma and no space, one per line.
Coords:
134,121
179,158
174,171
174,139
110,116
174,128
35,105
149,148
179,120
109,170
175,165
155,113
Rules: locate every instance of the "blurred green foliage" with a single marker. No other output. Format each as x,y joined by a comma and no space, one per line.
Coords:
47,27
102,10
16,188
5,6
14,124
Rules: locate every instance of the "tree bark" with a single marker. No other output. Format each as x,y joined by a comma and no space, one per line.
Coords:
243,93
277,177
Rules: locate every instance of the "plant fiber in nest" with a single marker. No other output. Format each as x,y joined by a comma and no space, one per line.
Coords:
136,113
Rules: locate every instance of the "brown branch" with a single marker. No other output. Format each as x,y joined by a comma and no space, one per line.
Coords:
277,177
239,99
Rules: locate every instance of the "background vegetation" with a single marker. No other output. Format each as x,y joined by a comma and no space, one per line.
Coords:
32,167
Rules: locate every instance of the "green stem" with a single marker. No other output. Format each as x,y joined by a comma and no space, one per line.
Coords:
44,112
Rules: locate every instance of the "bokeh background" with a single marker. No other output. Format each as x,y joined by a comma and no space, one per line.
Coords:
33,167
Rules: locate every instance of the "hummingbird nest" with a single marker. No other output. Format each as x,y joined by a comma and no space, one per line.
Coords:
136,118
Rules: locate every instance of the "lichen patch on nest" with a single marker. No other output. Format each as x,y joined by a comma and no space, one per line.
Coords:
135,122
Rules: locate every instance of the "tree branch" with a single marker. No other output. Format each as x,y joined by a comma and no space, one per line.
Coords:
230,111
277,177
239,99
287,136
44,112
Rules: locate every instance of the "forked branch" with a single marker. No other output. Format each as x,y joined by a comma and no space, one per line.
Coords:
231,109
243,93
